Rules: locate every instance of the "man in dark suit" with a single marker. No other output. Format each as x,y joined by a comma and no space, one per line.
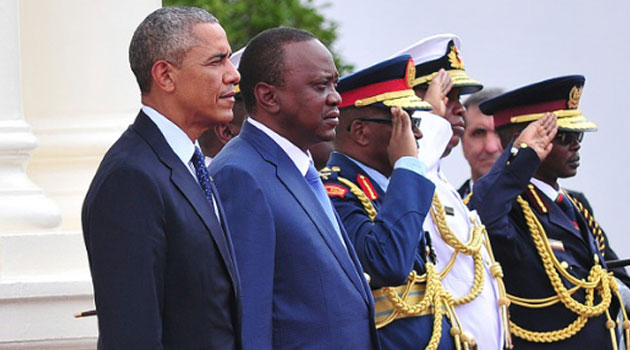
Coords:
302,284
376,183
544,242
161,259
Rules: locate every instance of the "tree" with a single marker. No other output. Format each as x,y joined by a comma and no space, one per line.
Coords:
243,19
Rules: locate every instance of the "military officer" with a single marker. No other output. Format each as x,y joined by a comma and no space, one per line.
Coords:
550,248
376,184
463,255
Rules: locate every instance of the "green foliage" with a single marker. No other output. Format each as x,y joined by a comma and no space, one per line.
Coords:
243,19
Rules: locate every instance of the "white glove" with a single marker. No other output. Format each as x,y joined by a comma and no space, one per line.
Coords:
436,134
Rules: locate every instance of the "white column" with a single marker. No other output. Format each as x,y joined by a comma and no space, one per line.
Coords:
64,72
23,205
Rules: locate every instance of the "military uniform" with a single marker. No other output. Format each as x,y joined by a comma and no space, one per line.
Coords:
390,245
383,221
544,244
470,275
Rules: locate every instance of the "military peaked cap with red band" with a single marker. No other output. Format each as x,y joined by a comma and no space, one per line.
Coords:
529,103
436,52
386,84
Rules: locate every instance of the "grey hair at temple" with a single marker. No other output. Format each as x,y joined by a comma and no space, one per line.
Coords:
166,34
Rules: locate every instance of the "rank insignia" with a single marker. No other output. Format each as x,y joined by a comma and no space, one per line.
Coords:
335,190
574,97
411,73
455,59
367,187
535,200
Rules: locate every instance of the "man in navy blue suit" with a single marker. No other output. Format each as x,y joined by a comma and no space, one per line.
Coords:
547,246
162,262
302,284
377,185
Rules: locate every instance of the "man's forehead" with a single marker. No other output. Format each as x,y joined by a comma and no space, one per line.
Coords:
310,53
474,117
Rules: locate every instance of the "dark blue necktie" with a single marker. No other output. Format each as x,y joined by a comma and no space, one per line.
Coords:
202,174
313,179
567,207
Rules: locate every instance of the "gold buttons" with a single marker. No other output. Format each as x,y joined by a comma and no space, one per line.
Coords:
564,264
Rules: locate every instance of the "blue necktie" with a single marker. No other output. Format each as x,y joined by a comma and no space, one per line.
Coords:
313,179
567,207
202,174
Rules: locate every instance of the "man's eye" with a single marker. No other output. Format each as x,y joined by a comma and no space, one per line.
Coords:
479,132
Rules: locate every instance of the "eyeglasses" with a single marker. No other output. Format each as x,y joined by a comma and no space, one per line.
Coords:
415,122
566,138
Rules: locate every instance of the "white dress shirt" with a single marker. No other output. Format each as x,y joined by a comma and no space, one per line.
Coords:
546,188
179,142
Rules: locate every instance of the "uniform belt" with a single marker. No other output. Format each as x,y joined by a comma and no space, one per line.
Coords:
384,307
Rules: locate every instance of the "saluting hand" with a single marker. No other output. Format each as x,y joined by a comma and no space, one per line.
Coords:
402,141
438,90
539,135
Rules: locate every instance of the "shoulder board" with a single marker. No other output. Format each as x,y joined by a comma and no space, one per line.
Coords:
367,187
534,199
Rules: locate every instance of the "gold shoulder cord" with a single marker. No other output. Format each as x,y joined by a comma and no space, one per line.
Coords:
598,279
478,236
594,226
437,300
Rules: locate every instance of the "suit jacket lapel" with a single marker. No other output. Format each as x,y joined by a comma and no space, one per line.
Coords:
184,181
295,183
560,219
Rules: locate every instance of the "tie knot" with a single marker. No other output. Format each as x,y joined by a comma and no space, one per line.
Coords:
197,156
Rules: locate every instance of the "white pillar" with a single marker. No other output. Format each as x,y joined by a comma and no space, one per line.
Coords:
23,205
79,92
64,71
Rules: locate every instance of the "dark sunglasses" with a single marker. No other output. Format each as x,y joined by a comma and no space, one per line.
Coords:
566,138
415,122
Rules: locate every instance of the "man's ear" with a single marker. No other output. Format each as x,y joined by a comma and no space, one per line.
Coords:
223,132
163,74
360,133
266,97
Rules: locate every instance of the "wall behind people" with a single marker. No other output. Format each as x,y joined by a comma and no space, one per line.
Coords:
510,44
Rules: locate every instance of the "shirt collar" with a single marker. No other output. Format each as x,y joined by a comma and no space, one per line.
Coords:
381,180
301,160
175,137
546,188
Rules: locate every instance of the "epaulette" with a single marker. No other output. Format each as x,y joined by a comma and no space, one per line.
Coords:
367,187
596,231
333,190
533,197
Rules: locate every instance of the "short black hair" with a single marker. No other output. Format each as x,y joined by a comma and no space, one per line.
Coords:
263,60
478,97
